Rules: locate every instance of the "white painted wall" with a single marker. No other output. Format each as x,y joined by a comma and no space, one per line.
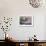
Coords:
45,29
16,8
23,33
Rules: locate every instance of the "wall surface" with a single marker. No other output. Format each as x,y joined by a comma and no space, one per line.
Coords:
24,32
17,8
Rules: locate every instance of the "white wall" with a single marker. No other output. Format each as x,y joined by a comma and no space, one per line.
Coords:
45,29
23,32
16,8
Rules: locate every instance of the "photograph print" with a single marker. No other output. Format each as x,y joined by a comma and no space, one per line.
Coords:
26,20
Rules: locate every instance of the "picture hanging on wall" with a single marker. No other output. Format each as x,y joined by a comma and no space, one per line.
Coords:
26,20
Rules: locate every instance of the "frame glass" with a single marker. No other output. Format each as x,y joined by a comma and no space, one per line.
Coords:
26,21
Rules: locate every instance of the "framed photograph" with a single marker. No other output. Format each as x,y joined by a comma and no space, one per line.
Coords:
26,20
